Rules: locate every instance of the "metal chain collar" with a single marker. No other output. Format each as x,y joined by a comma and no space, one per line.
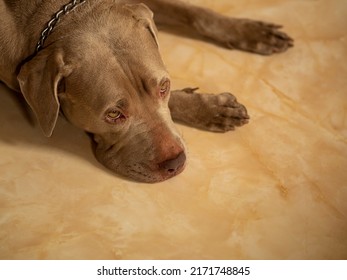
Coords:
55,19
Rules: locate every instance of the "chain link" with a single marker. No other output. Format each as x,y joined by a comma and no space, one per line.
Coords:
55,19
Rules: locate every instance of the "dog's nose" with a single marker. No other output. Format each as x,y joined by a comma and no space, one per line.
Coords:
171,166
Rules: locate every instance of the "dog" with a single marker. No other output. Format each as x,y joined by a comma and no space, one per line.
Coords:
98,63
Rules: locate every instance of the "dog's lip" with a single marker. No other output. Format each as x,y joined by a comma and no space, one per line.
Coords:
148,172
179,170
153,175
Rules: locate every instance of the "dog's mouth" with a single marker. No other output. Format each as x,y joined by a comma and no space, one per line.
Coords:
139,168
146,173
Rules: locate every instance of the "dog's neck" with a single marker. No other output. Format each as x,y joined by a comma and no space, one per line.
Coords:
52,23
55,19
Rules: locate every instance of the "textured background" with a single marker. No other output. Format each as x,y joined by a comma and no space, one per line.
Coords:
274,189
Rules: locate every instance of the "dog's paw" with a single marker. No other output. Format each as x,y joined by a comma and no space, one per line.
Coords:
213,112
259,37
222,112
244,34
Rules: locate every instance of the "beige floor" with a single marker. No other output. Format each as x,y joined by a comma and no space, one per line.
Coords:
274,189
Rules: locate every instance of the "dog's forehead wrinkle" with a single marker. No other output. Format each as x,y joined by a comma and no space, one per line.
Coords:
103,56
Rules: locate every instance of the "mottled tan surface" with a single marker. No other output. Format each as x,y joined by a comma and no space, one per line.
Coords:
274,189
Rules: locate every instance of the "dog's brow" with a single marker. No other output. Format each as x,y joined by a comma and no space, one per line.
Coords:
163,80
155,82
123,103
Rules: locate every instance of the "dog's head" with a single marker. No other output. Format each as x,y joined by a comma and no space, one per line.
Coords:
107,77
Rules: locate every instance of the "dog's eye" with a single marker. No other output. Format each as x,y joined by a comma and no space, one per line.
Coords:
114,116
165,88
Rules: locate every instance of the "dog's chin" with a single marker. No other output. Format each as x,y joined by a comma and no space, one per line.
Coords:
142,173
139,171
153,176
145,171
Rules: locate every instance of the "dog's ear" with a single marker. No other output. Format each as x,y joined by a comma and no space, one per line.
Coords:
142,13
39,80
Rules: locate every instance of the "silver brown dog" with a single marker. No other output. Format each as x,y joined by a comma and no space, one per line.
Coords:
98,63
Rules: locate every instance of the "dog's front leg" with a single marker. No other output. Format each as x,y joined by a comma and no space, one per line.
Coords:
244,34
218,113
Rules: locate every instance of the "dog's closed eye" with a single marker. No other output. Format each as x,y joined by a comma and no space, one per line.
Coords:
164,88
